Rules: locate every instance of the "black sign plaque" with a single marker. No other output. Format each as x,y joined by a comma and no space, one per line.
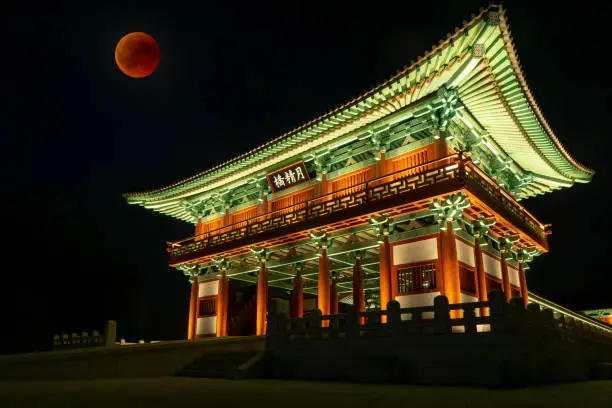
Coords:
288,176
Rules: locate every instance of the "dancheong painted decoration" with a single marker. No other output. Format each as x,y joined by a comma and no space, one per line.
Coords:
416,189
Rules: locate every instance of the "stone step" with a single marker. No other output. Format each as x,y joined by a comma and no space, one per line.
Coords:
217,365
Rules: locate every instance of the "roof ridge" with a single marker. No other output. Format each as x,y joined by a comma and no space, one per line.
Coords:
406,69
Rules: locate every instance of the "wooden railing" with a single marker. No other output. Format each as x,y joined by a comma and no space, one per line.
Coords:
393,184
430,320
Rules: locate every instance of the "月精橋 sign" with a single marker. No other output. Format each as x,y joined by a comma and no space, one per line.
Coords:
288,176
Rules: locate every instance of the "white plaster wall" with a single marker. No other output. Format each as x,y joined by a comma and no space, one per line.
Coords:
418,251
417,300
468,298
513,275
210,288
492,265
465,253
206,325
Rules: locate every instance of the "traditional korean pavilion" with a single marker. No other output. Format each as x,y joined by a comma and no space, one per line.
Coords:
411,190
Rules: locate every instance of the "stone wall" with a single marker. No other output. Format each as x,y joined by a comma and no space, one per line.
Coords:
139,360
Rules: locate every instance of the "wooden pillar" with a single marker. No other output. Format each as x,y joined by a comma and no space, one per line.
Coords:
381,166
505,278
222,301
523,281
193,308
450,267
262,300
440,147
219,306
226,218
481,277
298,296
385,274
323,283
358,295
333,296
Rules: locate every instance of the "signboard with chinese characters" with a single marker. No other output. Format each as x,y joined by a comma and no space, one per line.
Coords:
289,176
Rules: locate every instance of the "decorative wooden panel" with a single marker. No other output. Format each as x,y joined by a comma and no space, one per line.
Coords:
354,180
410,161
203,227
240,217
291,199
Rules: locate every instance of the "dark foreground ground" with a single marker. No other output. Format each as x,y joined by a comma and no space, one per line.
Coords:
191,392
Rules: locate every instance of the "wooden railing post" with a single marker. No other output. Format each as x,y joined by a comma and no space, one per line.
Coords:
442,321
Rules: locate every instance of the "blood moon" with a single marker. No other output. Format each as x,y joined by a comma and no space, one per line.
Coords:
137,55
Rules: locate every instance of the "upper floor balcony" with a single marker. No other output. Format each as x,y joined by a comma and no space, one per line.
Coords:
399,192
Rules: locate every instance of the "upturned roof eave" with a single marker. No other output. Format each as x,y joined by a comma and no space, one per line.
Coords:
170,194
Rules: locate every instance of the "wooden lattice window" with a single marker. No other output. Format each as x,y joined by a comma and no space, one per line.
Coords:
208,307
416,278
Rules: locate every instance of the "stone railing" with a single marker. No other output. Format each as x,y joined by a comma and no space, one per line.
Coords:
84,340
432,320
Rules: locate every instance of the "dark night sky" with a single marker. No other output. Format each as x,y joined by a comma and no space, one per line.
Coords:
75,133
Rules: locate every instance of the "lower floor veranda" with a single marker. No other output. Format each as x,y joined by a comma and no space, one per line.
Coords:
450,244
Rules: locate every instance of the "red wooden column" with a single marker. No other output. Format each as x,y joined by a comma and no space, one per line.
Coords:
450,266
385,274
523,281
222,300
505,246
298,295
505,278
193,307
358,296
262,300
333,296
483,294
219,306
440,146
323,283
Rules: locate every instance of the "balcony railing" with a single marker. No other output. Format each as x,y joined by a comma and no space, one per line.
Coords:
393,184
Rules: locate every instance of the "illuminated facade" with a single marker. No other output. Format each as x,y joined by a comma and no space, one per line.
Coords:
409,191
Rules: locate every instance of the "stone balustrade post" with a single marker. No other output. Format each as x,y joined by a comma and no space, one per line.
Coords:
442,320
469,320
315,323
547,318
516,313
110,333
416,321
272,326
352,322
394,317
497,310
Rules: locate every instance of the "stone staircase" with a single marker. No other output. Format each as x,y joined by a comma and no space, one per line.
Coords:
237,357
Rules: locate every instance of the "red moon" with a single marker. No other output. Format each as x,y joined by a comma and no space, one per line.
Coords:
137,55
